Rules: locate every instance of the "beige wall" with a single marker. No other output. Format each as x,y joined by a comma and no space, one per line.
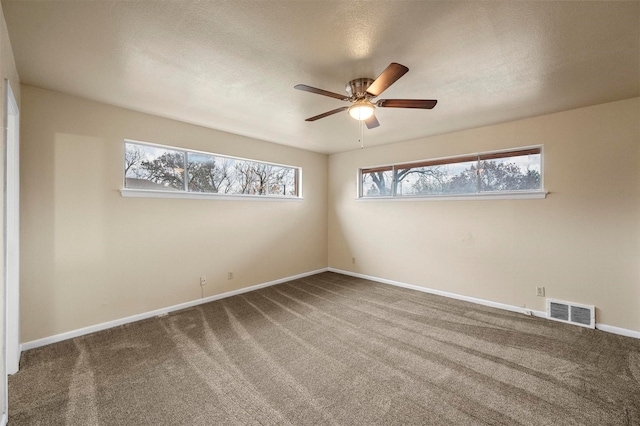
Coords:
582,242
89,255
7,62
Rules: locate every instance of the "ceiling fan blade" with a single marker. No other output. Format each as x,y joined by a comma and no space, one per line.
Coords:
326,114
317,91
372,122
407,103
389,76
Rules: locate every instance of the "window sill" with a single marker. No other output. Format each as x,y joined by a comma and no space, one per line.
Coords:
516,195
146,193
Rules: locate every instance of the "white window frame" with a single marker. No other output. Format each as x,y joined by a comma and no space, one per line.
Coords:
485,195
186,194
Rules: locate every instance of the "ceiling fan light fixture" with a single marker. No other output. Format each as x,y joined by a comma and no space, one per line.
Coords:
361,110
362,90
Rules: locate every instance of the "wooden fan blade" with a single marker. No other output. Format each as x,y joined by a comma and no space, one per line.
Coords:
389,76
317,91
371,122
326,114
407,103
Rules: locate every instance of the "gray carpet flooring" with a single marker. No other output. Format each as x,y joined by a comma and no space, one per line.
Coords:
333,350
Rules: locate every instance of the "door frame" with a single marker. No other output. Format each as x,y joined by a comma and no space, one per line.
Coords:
12,231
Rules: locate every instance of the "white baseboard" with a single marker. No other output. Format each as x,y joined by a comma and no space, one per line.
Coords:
484,302
3,420
618,330
133,318
512,308
115,323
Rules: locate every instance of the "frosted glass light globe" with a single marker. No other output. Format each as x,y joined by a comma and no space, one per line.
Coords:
361,110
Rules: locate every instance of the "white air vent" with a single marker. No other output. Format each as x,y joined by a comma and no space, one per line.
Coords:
572,313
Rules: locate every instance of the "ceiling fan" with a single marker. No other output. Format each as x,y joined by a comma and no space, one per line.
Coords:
361,92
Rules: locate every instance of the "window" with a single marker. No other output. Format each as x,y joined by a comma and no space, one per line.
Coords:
168,169
516,171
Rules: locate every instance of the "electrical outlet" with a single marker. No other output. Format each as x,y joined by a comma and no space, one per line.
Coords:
230,276
353,260
203,280
540,291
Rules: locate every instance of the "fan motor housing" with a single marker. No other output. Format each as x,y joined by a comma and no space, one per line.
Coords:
358,87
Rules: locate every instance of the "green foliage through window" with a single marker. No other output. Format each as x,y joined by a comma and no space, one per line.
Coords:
511,171
154,167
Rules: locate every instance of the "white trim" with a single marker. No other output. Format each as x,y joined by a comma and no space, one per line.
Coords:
115,323
152,193
157,312
11,348
484,302
12,232
618,330
515,195
602,327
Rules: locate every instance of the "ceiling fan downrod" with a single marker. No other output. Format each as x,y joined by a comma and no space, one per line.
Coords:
358,88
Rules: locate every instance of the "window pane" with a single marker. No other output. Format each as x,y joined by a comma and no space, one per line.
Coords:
282,181
252,178
259,178
208,173
248,177
515,173
150,167
236,181
377,183
455,178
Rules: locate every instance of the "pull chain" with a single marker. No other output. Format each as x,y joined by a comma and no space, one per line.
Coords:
361,124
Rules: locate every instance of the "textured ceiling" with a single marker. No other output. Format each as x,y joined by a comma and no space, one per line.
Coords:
232,65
